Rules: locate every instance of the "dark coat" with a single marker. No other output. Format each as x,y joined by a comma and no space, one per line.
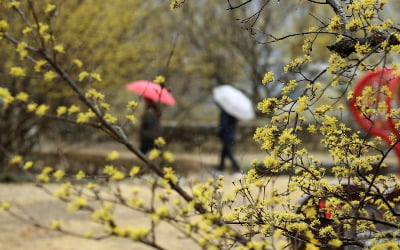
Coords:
227,127
150,126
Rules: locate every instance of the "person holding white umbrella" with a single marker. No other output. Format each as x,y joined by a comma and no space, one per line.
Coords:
234,105
226,132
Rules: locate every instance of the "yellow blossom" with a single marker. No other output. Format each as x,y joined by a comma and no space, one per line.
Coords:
362,49
50,8
78,63
17,72
118,175
159,79
353,24
277,234
267,105
154,154
312,129
135,190
290,86
28,165
134,171
288,137
82,75
96,76
310,246
105,106
387,24
168,156
59,174
88,234
114,173
110,118
161,213
91,186
323,109
103,214
22,96
271,162
80,175
77,204
336,63
114,155
26,30
160,141
42,109
61,110
136,202
55,225
169,175
21,49
93,93
5,206
43,29
85,117
64,191
49,76
3,25
138,233
131,104
6,95
174,4
59,48
73,109
336,243
39,65
327,231
335,24
301,104
268,77
131,118
16,159
293,64
369,13
44,175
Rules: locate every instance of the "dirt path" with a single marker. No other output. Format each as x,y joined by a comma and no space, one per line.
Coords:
33,201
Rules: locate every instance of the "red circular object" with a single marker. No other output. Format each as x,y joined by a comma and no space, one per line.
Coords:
378,124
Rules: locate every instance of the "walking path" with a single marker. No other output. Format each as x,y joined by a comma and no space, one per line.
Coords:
91,158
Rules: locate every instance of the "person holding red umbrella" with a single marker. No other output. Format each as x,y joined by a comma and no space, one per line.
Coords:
150,128
154,94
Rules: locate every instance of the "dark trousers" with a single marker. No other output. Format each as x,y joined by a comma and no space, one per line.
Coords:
146,145
227,151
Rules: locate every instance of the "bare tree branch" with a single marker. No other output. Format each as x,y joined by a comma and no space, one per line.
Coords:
338,9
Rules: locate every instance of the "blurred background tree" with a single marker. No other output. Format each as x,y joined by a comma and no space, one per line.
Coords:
127,40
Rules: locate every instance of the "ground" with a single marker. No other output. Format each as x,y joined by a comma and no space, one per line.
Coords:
32,201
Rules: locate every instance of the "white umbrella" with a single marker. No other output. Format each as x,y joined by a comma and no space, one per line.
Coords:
234,102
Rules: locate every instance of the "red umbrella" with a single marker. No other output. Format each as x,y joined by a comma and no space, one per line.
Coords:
151,91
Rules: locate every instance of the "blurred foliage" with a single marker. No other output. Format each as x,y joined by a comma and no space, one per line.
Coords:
126,40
